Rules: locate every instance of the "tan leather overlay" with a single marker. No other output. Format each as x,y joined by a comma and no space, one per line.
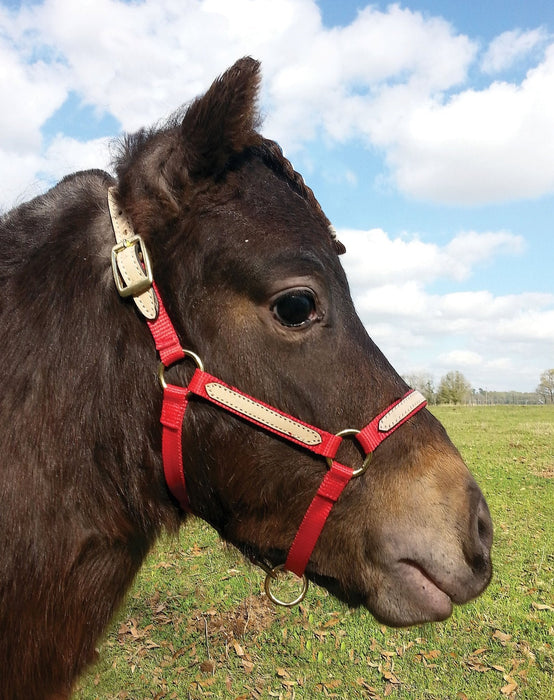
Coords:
262,414
400,411
128,264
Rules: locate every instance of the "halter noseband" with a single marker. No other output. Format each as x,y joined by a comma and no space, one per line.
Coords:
133,277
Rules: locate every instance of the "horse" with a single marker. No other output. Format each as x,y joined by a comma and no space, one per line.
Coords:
179,338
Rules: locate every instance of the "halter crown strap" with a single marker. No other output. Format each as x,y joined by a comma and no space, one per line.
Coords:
131,265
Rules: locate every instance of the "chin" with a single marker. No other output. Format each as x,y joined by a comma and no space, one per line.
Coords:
407,595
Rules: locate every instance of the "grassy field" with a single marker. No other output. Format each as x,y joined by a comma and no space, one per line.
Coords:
197,626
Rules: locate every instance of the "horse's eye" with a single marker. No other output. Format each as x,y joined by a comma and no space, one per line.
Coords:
295,308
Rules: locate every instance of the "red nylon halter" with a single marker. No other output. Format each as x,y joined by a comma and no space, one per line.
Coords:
133,277
324,444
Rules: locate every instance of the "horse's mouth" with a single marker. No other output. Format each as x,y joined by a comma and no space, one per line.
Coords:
409,595
424,591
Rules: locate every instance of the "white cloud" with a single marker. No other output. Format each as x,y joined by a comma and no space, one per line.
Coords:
135,61
65,155
460,359
481,146
489,337
373,257
362,79
536,325
29,98
396,78
404,300
470,247
19,177
27,175
509,47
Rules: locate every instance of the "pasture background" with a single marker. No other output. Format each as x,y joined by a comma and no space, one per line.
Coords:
196,625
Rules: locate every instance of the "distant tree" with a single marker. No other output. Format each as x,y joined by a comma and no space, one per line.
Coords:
545,388
520,398
453,388
423,383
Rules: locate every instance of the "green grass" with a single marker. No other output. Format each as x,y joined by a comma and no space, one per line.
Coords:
196,625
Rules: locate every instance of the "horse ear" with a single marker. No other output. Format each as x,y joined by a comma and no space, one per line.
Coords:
223,121
154,168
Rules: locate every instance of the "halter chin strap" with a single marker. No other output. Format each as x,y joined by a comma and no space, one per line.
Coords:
133,276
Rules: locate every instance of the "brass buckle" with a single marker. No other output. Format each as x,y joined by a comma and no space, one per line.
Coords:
141,285
352,432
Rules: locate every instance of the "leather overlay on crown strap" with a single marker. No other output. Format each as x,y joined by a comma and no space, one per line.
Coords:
130,261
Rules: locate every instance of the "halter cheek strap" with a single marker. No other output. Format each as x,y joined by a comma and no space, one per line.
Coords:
133,277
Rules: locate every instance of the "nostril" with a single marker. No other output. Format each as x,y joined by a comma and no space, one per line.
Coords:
484,525
477,547
482,529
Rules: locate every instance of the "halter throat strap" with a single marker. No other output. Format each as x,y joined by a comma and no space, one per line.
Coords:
133,277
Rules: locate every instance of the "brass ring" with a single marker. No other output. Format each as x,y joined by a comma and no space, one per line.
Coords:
272,576
367,459
187,353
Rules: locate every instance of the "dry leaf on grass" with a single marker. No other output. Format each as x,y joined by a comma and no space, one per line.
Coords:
502,637
207,666
510,688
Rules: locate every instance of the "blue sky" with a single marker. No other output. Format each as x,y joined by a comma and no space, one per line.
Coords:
425,129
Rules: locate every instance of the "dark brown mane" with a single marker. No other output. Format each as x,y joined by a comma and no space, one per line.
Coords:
273,156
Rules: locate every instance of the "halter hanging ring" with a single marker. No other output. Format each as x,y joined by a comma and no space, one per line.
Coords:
352,432
272,576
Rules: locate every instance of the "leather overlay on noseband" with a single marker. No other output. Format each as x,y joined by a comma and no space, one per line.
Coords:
132,271
316,440
240,404
389,420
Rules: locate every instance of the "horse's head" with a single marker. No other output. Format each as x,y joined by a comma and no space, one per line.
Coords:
250,274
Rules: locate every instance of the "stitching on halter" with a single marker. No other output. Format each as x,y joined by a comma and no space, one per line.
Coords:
133,276
263,414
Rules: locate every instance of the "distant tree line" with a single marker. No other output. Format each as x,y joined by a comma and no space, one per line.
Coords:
454,388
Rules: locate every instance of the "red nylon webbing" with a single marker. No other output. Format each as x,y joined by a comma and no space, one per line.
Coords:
371,436
316,516
327,447
164,334
173,413
174,404
271,419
